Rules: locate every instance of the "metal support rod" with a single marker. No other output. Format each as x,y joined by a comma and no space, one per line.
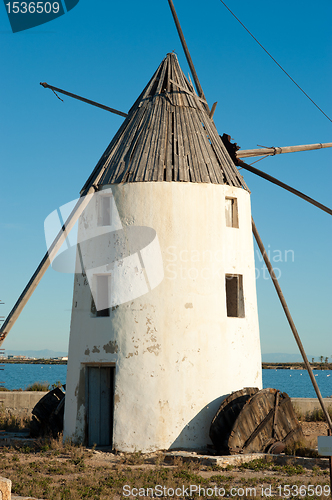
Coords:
187,53
290,320
250,153
75,96
268,177
44,265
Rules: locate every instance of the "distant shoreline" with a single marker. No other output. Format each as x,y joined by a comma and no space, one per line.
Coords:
265,366
33,361
296,366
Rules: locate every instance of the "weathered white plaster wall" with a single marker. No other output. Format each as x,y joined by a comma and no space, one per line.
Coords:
176,352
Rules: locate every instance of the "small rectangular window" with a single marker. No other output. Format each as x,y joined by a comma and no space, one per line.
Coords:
231,212
234,295
100,306
105,215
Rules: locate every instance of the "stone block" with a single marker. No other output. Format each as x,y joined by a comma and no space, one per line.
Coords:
5,488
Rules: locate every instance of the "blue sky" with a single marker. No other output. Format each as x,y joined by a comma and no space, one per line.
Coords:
107,51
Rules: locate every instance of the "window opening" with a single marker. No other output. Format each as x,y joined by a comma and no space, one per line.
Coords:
234,295
231,212
105,216
102,283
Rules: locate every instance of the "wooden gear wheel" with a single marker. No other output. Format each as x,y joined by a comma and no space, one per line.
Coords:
253,421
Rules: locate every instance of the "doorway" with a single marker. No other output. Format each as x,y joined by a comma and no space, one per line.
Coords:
100,404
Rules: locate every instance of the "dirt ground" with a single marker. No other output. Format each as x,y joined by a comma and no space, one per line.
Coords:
312,430
65,472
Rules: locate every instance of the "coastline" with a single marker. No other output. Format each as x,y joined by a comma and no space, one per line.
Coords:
296,366
265,365
40,361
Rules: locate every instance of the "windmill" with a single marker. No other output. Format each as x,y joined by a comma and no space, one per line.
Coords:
168,143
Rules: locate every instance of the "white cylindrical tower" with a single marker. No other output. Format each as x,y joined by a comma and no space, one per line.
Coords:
164,322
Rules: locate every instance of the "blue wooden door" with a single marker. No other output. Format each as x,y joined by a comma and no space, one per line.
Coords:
100,386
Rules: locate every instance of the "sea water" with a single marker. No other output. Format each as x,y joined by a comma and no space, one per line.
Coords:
296,383
20,376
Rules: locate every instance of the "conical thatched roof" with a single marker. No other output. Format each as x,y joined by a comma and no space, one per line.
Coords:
167,136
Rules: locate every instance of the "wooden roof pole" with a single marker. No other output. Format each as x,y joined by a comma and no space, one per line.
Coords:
75,96
290,320
249,153
187,53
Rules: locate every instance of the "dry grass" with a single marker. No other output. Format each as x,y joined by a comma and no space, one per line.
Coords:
55,471
312,416
14,423
302,449
317,415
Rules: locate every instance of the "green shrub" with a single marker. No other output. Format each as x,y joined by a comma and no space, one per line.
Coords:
39,386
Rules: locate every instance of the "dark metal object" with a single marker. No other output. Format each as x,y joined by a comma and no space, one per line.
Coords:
187,53
48,414
276,448
260,419
88,101
290,320
233,148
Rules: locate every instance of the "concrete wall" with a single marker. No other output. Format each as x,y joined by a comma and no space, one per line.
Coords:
20,402
175,351
308,405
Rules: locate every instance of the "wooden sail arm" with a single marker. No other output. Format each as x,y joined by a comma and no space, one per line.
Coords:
250,153
88,101
187,91
269,178
232,149
44,264
187,54
80,206
290,320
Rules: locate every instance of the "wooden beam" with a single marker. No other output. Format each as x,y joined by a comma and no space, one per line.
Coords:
250,153
214,105
187,91
187,53
75,96
268,177
80,206
290,320
44,265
